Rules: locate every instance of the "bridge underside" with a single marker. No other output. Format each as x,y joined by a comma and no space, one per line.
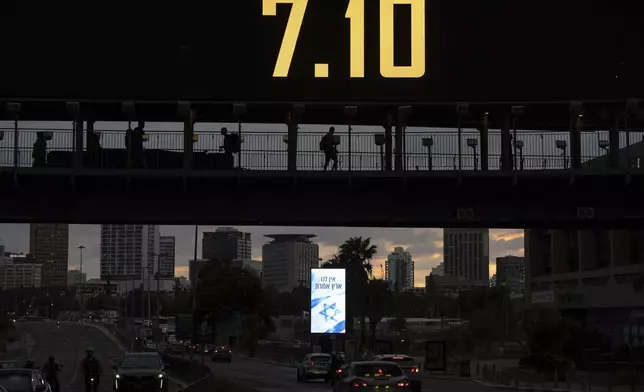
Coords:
374,199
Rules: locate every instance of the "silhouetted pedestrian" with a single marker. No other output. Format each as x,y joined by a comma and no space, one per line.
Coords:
39,153
329,146
134,144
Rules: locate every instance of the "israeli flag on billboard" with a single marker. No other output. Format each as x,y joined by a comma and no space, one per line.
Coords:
328,301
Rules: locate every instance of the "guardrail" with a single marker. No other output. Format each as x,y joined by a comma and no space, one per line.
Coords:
360,151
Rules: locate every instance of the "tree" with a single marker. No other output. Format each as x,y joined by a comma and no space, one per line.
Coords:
355,256
224,292
377,304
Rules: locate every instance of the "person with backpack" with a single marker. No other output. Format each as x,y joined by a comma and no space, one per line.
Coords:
50,370
91,371
231,146
330,149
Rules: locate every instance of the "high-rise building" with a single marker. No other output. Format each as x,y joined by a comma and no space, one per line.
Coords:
49,244
439,270
588,274
194,267
226,244
128,251
510,269
287,261
399,270
2,250
20,270
75,277
166,256
467,255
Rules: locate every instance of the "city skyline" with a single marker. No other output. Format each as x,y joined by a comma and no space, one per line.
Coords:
425,245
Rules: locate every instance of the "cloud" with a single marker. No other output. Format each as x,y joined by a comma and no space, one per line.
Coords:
425,245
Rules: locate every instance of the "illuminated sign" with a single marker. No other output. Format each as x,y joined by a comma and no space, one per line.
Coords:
328,301
331,51
356,15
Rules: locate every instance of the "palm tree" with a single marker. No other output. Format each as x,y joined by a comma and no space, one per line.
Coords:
355,255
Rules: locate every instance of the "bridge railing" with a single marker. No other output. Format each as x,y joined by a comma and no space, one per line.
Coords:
267,150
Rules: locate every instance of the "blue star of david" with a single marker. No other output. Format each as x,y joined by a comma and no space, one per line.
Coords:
329,312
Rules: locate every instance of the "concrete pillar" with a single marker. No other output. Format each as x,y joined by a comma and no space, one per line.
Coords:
535,251
506,144
389,163
484,142
613,139
560,251
620,248
586,243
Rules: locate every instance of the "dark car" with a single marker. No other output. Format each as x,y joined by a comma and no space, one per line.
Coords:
409,366
141,371
23,380
370,376
221,353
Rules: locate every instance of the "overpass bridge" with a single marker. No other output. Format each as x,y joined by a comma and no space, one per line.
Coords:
397,175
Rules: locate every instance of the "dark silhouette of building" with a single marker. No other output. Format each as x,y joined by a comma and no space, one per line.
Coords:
226,243
48,243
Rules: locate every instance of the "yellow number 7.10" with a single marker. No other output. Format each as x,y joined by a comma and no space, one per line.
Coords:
293,27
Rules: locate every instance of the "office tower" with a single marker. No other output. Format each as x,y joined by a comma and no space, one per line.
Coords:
75,277
510,270
467,255
194,267
49,243
226,244
399,270
166,256
287,261
20,270
589,274
128,251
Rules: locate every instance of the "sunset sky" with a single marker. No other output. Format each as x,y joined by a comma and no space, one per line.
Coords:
425,245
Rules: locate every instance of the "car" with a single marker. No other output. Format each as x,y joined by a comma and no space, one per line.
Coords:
141,371
11,364
207,349
409,366
221,353
314,366
23,380
372,375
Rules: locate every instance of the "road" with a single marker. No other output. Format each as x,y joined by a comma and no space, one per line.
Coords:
266,377
68,343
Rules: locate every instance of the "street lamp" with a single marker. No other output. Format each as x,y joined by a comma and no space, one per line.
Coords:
81,281
562,145
518,146
473,144
428,142
381,140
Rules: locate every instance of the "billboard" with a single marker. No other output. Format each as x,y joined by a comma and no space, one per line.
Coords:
348,51
328,301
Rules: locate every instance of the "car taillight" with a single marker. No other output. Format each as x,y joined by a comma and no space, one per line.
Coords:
415,370
311,363
339,371
359,384
402,384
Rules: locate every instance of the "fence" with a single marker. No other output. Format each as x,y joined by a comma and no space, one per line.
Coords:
360,151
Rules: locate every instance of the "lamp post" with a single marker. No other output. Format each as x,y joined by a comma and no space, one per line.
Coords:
82,313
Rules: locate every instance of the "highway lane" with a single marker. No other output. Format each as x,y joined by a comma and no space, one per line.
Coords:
68,343
267,377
